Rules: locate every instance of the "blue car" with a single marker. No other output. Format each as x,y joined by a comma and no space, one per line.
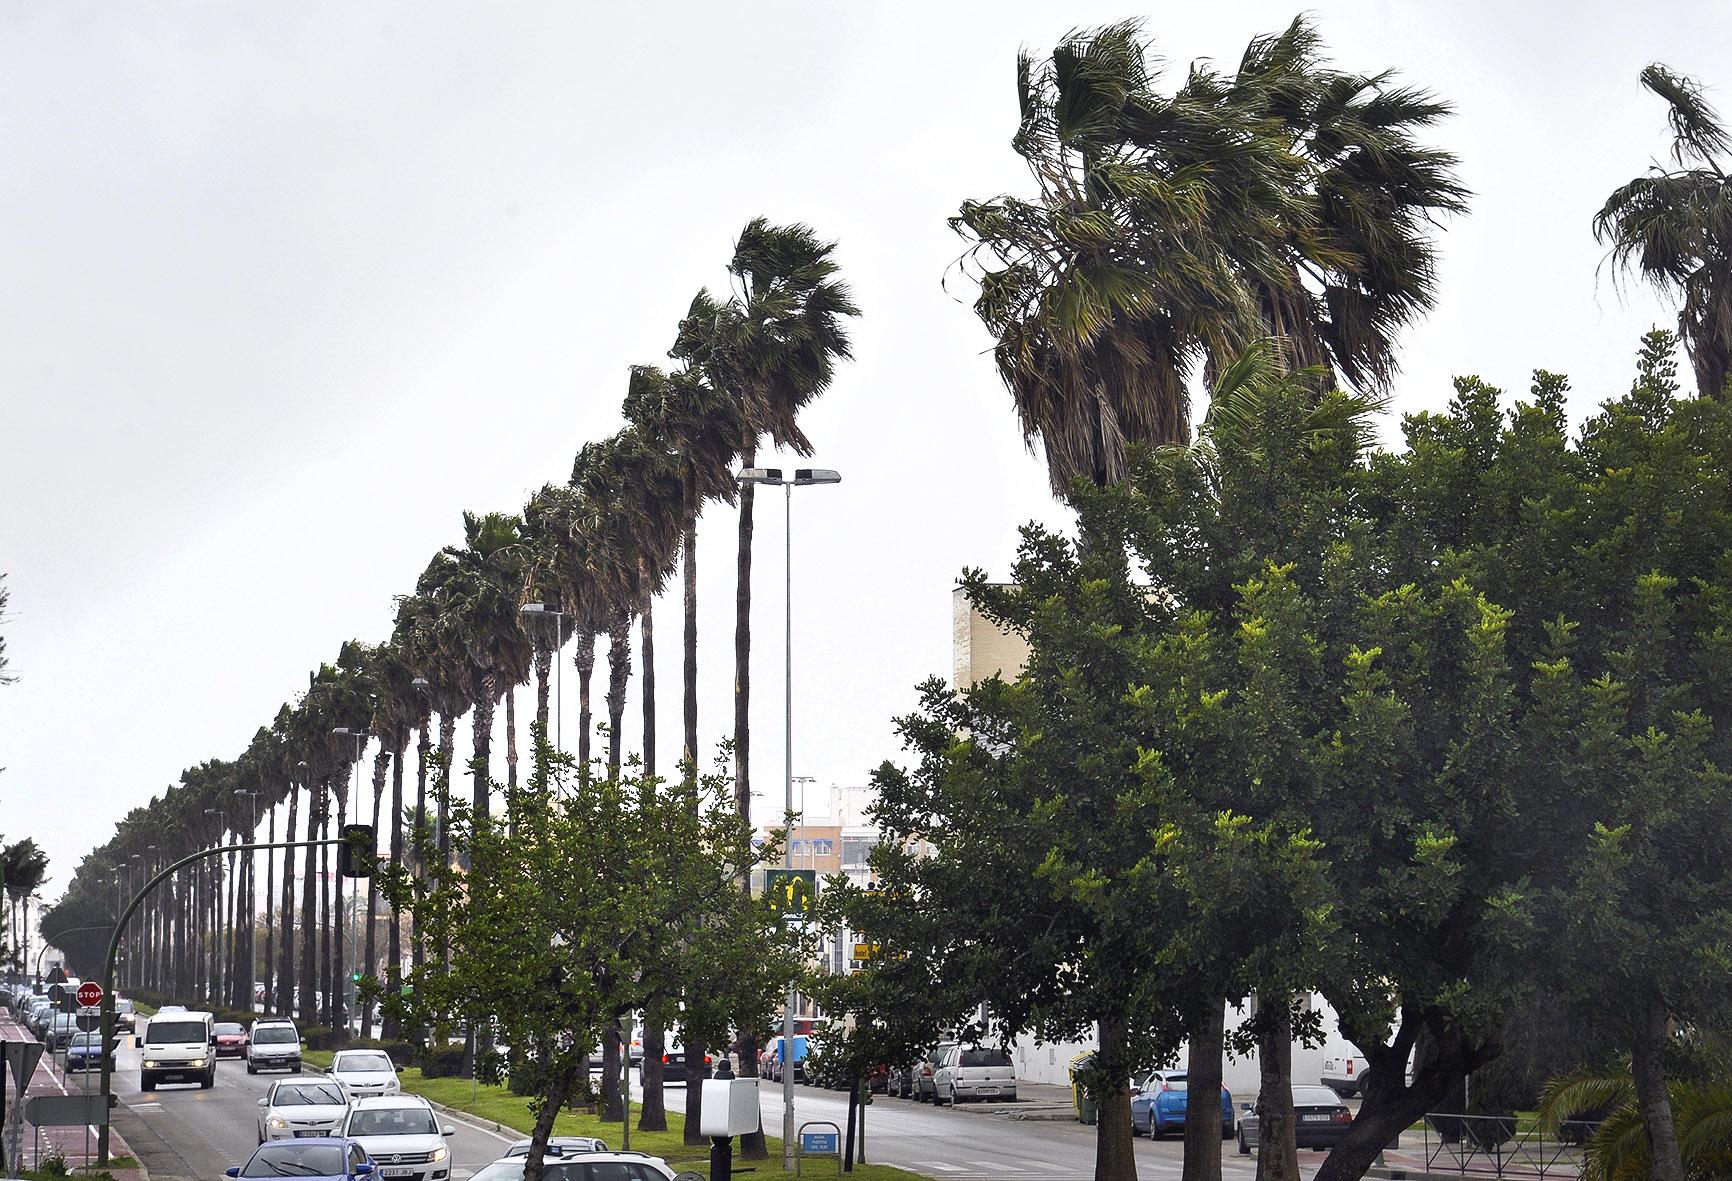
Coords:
322,1158
84,1053
1158,1106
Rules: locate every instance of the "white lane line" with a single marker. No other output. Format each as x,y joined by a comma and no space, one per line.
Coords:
939,1165
1000,1166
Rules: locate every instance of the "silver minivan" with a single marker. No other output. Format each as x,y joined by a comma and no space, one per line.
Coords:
274,1044
974,1072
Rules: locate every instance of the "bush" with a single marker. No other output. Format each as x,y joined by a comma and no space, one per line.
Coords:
445,1062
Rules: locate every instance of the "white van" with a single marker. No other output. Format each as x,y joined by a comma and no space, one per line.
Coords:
178,1048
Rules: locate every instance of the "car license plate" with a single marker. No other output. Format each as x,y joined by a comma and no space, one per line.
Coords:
1315,1119
399,1172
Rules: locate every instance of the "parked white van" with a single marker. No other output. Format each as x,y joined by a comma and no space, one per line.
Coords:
178,1048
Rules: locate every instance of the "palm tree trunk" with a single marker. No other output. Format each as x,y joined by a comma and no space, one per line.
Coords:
1665,1159
270,964
743,639
369,957
337,981
481,731
307,996
584,659
394,935
618,676
286,973
511,738
543,675
423,748
652,1113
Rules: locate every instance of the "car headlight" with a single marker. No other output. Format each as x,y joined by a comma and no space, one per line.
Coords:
277,1121
391,1086
439,1154
150,1064
196,1062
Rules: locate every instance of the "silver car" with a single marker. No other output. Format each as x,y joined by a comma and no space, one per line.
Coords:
974,1072
301,1107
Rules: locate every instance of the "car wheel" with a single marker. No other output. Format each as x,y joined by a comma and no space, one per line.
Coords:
208,1081
147,1083
1155,1132
251,1069
1226,1131
1244,1146
953,1099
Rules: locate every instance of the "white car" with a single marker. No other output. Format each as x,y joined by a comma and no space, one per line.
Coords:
301,1107
365,1073
402,1135
589,1166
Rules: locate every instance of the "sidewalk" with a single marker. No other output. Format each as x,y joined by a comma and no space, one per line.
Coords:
1034,1101
68,1142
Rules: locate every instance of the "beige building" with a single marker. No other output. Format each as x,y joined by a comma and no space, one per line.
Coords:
980,648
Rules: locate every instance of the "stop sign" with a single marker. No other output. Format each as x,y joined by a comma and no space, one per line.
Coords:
90,994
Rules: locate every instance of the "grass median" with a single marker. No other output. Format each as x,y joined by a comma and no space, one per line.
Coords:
497,1105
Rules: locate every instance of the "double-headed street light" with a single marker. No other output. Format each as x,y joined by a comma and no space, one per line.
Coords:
801,478
543,611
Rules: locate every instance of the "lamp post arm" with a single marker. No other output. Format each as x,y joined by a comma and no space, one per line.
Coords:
114,951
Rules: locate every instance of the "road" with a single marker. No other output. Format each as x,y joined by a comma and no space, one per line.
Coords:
971,1144
185,1132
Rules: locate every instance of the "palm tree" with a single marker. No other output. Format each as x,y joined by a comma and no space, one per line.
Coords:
1674,226
1697,1114
1168,232
398,709
771,347
23,867
561,566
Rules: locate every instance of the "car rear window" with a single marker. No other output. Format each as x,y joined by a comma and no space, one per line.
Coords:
985,1057
270,1035
285,1158
1315,1097
1175,1082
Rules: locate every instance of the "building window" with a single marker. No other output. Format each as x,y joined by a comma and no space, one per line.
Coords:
855,850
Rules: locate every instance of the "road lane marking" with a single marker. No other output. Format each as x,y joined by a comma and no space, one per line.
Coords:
1001,1166
939,1165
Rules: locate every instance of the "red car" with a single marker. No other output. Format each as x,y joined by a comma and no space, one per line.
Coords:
231,1039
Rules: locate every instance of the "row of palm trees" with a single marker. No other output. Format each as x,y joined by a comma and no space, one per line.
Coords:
593,552
23,869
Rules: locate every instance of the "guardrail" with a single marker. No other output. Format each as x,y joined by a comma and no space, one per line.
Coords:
1505,1146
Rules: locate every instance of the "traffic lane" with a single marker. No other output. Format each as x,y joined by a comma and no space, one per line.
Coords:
968,1145
211,1130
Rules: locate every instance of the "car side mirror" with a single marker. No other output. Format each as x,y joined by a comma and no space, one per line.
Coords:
448,1130
1246,1107
233,1170
137,1041
362,1169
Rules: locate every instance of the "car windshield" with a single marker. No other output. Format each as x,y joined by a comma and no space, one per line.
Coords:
87,1039
229,1028
307,1095
161,1031
1315,1097
985,1057
392,1121
360,1062
271,1035
285,1158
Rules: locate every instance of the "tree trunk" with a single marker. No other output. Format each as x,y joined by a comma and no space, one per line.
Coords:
653,1116
694,1048
1277,1152
511,738
442,790
543,674
338,978
1206,1027
393,938
482,737
618,675
743,638
584,659
1665,1159
369,956
1390,1104
307,1002
422,749
269,966
286,971
558,1088
647,680
612,1108
1115,1152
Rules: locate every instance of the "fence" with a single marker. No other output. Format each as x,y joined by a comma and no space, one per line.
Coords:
1505,1146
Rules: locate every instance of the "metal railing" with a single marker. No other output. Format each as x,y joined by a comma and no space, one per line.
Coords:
1505,1146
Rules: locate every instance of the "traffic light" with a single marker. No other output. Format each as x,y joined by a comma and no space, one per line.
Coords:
355,976
356,858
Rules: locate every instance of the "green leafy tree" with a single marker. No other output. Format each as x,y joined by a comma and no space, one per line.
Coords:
1673,226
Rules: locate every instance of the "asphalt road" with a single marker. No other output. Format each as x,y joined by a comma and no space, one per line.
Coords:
182,1131
973,1144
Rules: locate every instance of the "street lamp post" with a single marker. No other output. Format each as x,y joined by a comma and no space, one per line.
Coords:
802,477
542,611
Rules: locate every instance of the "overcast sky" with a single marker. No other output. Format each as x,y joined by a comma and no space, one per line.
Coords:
289,286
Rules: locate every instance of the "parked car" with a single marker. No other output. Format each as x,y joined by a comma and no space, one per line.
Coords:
274,1045
1345,1075
327,1158
674,1063
1320,1119
1158,1106
299,1108
559,1146
403,1134
84,1052
770,1061
924,1089
231,1039
364,1073
966,1073
62,1028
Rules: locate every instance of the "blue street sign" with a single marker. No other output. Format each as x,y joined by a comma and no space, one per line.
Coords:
818,1143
